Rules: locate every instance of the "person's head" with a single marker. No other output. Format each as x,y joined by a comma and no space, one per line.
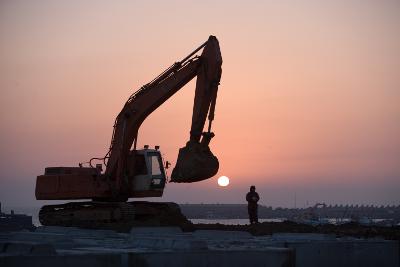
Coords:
252,188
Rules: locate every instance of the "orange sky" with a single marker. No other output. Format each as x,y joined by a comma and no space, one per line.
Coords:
308,101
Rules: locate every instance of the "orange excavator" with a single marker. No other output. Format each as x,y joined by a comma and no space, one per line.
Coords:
138,173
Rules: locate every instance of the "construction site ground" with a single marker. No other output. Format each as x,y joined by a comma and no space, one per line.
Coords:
266,244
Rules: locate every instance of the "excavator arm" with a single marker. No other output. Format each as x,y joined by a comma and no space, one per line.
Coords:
195,161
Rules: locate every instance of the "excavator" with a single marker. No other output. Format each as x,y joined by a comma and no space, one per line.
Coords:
139,173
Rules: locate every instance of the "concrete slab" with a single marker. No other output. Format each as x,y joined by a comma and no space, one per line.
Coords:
17,248
169,244
346,253
33,236
302,237
28,248
216,234
99,260
155,231
57,240
161,246
43,249
77,232
274,257
55,229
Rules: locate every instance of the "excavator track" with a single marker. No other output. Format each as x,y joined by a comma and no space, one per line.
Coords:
118,216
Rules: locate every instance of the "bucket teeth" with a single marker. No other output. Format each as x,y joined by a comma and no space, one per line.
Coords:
195,163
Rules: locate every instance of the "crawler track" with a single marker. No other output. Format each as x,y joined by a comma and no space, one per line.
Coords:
119,216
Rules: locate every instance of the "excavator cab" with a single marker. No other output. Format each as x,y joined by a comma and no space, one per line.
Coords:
146,173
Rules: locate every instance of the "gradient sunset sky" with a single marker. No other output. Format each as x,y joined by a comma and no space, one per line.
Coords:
308,103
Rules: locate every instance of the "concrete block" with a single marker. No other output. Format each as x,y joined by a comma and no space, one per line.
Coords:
33,236
192,245
169,244
302,237
55,229
18,248
79,242
216,234
144,242
58,240
346,253
155,231
43,249
76,232
274,257
95,233
28,248
92,260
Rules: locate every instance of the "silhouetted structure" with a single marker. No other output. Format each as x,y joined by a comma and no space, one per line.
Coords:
14,222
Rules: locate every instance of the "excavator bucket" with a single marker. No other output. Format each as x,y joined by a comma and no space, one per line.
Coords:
195,163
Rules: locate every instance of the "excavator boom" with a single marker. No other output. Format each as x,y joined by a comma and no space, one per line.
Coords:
195,161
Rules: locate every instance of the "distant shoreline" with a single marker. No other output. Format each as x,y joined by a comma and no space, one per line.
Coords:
239,211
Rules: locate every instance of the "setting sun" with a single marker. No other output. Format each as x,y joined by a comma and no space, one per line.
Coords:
223,181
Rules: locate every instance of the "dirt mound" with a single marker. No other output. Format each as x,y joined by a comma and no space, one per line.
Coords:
348,229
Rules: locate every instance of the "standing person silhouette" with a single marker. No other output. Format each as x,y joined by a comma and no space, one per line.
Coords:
252,198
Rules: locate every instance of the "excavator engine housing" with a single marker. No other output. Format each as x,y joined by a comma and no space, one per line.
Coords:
145,177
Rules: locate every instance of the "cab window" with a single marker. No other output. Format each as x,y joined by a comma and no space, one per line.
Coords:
140,165
155,165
